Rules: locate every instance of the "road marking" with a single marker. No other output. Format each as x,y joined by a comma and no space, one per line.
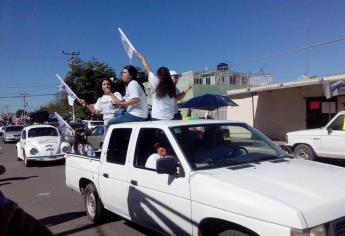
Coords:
43,194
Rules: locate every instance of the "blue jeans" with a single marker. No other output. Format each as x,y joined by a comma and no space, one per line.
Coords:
122,118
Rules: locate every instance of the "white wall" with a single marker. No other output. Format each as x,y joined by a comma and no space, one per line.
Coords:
276,112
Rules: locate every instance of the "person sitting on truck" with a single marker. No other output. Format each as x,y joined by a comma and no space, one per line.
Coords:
81,146
135,100
162,151
108,93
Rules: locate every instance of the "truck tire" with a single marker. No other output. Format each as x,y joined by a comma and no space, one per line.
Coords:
232,232
304,151
93,205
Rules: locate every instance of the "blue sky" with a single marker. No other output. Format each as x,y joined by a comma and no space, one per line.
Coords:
180,34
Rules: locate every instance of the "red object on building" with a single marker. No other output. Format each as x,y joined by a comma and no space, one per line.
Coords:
314,105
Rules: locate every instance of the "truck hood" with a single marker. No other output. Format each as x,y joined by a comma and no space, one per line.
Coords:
290,192
310,132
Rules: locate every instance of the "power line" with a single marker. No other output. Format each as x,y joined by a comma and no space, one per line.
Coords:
28,86
288,51
34,95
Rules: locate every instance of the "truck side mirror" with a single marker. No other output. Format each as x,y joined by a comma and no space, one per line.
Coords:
167,165
329,130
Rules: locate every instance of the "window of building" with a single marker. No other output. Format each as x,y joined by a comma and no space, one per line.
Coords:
208,80
118,145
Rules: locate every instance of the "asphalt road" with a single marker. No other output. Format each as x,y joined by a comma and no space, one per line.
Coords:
41,192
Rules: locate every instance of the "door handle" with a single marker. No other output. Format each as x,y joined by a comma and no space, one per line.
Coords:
134,182
106,175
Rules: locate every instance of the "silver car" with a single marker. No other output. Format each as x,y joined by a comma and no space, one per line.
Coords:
96,137
12,133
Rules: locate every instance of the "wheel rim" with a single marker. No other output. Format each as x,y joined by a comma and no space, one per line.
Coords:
302,154
91,204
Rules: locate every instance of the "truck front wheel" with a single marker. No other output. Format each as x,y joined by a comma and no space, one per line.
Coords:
232,232
303,151
93,204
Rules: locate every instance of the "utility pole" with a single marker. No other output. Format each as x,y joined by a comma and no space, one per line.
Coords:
74,59
25,103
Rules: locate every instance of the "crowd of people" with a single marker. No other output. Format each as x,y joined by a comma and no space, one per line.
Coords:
131,105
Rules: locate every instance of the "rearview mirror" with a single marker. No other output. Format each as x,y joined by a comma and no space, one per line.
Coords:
329,129
167,165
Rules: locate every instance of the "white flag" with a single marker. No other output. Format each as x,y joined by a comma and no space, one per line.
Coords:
64,128
129,48
64,88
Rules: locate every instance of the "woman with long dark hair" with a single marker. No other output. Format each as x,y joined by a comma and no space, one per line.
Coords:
163,101
81,146
134,101
107,97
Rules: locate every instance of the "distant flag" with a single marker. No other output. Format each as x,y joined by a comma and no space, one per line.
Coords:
64,88
64,128
334,88
129,48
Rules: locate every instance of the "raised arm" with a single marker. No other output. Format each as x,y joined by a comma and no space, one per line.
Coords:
180,96
144,62
89,107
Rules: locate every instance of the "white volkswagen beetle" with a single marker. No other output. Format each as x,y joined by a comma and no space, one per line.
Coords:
41,143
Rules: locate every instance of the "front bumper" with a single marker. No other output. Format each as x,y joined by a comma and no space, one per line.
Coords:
47,158
11,139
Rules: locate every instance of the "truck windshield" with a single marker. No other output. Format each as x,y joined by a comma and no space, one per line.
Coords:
36,132
218,145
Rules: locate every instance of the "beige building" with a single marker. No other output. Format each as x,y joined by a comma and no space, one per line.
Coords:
280,108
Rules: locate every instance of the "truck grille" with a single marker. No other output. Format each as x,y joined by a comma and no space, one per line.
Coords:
337,227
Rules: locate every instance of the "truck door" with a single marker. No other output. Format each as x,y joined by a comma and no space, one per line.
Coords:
160,201
113,179
333,138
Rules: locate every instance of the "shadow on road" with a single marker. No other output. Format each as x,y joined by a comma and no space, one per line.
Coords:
58,219
336,162
18,178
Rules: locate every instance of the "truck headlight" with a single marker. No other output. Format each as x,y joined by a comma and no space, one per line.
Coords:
33,151
319,230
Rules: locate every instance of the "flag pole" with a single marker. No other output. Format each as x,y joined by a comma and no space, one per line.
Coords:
73,114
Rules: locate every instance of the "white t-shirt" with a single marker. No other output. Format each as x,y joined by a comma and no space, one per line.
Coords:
106,107
134,90
151,162
162,108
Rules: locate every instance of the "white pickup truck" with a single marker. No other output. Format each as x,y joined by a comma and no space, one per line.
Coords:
214,178
328,141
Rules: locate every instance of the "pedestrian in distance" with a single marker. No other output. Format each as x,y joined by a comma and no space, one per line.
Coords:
134,101
164,105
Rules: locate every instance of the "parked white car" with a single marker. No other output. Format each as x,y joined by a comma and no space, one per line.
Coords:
41,143
328,141
217,178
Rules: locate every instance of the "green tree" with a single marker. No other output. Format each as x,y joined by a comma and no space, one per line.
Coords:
19,112
83,78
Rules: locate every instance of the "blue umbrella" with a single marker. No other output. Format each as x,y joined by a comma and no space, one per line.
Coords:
209,102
